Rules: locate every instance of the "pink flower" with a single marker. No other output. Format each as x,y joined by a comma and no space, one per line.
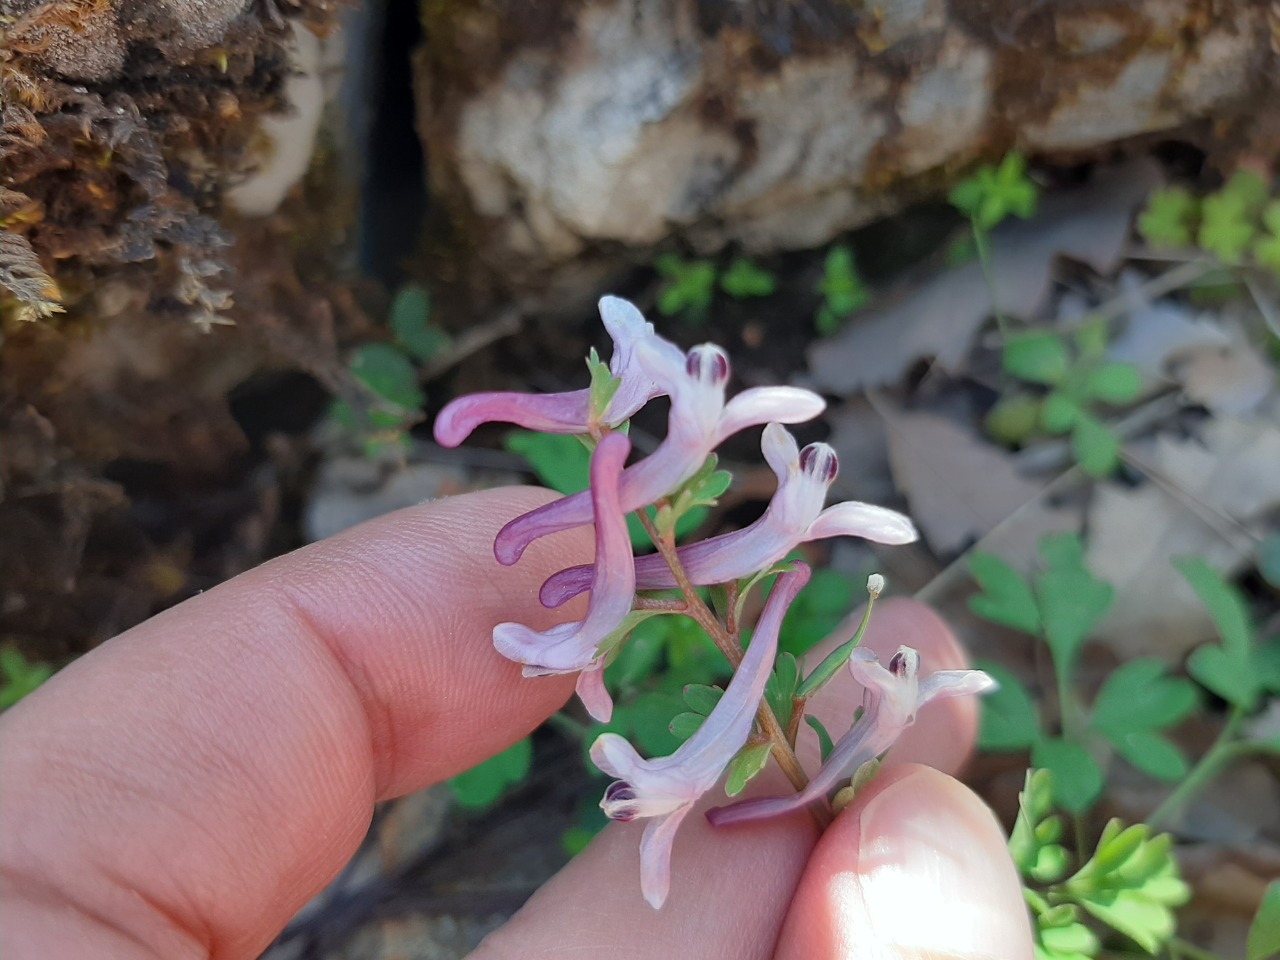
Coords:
890,703
666,789
700,420
794,516
563,412
572,647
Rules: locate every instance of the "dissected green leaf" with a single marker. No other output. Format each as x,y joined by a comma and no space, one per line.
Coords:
1132,884
746,279
1009,720
1170,218
1014,418
604,385
1226,228
702,698
1141,695
991,194
1006,598
1264,932
1249,190
689,288
1077,779
483,785
1059,412
1036,357
560,462
825,744
685,725
842,288
750,760
1072,600
1228,670
1266,247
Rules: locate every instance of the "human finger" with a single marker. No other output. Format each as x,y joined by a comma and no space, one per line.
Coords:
730,887
185,788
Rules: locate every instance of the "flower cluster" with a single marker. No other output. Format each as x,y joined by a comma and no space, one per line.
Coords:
673,477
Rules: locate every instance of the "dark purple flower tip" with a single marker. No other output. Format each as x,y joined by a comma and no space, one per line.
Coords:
708,364
819,460
903,663
619,801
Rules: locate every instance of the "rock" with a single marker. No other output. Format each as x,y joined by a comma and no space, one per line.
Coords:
618,125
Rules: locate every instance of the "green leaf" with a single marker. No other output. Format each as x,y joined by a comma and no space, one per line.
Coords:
1132,884
1036,357
1033,843
689,289
1226,228
1228,670
1077,779
1059,412
1266,249
604,385
560,462
825,745
483,785
1096,448
685,725
647,721
1115,383
1072,600
1006,598
702,698
1170,218
1264,932
387,372
1140,695
745,279
1013,419
781,688
991,194
1153,754
411,324
1249,191
842,288
1009,720
749,762
19,676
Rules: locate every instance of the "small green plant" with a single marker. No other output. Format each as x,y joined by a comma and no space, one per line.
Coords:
1130,884
842,288
1137,702
1239,223
389,374
688,288
19,676
745,279
992,193
1078,378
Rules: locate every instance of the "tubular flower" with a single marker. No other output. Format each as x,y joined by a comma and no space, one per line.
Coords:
666,789
794,516
563,412
890,702
572,647
700,420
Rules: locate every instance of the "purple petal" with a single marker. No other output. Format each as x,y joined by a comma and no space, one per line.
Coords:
594,694
628,328
559,588
655,856
854,519
760,405
572,646
944,684
545,412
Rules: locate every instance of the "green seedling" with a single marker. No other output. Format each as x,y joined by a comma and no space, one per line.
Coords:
745,280
1067,379
688,288
842,288
1238,224
992,193
483,786
19,676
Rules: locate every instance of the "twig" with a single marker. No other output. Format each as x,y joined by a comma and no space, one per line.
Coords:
474,340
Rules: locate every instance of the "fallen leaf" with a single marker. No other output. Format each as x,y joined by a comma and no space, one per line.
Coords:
940,318
1226,480
959,487
1229,380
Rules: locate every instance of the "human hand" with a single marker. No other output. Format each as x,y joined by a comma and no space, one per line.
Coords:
182,790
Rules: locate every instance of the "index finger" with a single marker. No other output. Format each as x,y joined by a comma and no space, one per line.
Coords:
186,787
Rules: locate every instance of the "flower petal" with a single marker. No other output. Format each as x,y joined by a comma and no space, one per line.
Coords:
616,757
628,327
655,856
780,450
767,405
594,694
954,683
572,646
545,412
854,519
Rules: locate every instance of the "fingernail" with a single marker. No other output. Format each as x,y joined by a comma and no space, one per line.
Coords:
933,874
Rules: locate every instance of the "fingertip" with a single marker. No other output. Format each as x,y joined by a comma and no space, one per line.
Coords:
916,866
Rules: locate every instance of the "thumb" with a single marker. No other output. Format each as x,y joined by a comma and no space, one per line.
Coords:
915,867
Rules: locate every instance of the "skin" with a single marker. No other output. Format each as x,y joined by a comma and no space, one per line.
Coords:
183,789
